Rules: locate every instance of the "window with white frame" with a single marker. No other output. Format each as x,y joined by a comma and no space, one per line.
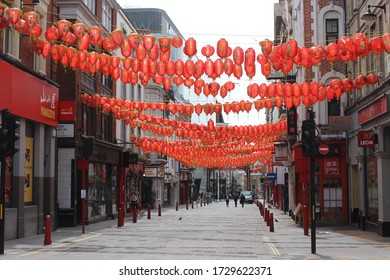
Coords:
91,4
107,16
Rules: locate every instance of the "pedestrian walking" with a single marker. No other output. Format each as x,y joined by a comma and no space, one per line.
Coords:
134,200
242,200
235,199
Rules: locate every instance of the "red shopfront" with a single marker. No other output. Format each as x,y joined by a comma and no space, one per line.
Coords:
30,174
331,181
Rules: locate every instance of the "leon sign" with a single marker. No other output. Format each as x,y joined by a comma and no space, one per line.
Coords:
366,138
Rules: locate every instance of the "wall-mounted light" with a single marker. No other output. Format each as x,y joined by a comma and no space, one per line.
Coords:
370,16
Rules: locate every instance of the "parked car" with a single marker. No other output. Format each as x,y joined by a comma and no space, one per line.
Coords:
248,196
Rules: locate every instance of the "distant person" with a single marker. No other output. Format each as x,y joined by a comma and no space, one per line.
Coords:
242,200
134,200
235,199
227,201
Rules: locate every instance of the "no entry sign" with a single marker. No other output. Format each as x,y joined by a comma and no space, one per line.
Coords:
323,149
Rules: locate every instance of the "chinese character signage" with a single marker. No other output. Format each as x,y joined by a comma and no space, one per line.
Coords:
331,166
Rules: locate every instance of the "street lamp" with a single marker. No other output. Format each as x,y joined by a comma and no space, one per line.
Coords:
370,16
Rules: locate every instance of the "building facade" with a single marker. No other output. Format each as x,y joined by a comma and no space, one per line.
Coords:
30,184
369,133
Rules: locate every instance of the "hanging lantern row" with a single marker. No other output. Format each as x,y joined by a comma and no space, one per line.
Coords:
151,56
26,23
284,56
211,157
277,94
288,90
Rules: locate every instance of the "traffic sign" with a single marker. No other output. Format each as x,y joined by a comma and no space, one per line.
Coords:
323,149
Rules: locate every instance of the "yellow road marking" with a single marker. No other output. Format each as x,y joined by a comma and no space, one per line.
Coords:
59,245
271,245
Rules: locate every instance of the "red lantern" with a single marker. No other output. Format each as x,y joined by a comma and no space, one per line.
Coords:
116,36
238,55
177,41
263,90
222,48
63,26
164,44
190,47
360,42
208,51
148,41
13,15
218,67
67,38
199,69
31,18
266,46
386,42
79,29
133,39
83,43
253,90
266,69
372,79
140,52
376,45
96,34
237,71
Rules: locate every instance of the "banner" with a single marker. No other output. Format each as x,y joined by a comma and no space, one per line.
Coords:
28,169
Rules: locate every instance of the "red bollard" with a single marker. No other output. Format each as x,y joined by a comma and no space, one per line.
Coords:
200,203
135,215
192,204
177,206
271,222
120,217
186,205
47,231
305,220
159,210
267,216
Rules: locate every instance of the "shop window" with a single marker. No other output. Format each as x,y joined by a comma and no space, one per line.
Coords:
332,195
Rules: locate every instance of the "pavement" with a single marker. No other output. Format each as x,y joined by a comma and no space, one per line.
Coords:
211,232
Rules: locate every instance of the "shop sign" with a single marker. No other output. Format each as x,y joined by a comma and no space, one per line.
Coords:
366,138
150,172
65,130
66,111
281,153
373,110
331,166
40,99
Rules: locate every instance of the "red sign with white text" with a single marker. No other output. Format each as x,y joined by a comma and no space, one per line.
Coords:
331,166
372,111
27,96
366,138
66,111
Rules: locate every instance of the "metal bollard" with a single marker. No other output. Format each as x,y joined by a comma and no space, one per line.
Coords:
271,222
177,206
305,220
159,210
47,231
149,214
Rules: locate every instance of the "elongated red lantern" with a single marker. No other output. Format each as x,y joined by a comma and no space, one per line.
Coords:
190,47
222,48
